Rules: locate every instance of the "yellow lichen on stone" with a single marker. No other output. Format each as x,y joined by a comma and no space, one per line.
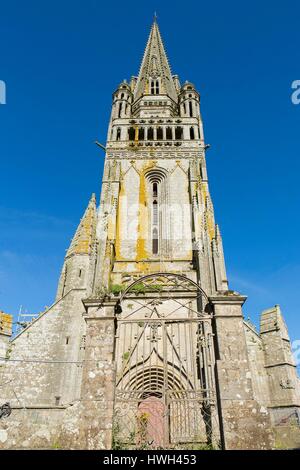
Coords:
210,225
141,252
136,133
5,323
118,225
110,228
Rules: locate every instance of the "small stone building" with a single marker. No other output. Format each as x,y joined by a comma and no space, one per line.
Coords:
145,345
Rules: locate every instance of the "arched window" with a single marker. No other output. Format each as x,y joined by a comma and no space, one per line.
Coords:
169,133
157,87
155,241
159,134
178,133
154,86
118,133
141,133
120,110
122,96
192,133
184,108
155,178
131,133
191,109
150,133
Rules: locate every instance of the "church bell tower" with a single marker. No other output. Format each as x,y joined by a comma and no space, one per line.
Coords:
181,367
156,210
145,346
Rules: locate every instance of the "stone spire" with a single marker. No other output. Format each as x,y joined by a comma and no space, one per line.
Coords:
86,230
155,65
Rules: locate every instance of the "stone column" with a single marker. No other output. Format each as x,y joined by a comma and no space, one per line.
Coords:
98,381
245,424
124,133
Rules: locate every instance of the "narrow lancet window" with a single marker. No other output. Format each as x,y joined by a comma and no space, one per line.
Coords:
150,133
120,110
131,133
154,87
169,133
157,87
178,133
159,133
155,241
155,213
141,133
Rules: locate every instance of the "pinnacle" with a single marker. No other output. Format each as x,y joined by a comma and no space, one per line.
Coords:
85,233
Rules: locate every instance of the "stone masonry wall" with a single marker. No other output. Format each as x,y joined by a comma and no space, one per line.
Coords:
43,371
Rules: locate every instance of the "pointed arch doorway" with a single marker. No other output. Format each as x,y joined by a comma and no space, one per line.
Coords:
165,386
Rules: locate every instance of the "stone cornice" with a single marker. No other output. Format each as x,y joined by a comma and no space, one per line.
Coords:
154,153
230,299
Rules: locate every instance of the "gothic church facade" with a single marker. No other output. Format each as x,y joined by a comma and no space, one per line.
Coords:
145,345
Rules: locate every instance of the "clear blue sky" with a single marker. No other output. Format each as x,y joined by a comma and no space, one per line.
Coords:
61,61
